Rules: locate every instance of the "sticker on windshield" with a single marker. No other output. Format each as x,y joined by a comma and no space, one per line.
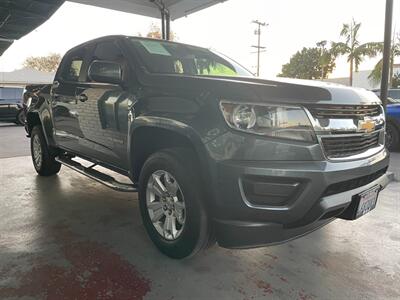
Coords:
155,48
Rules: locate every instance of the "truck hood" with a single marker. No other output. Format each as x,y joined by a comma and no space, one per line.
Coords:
279,90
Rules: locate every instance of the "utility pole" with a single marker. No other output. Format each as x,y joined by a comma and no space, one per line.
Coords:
259,47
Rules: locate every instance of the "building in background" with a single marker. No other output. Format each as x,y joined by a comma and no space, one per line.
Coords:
360,79
24,77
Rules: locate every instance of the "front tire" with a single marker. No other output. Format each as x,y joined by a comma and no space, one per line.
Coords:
43,161
392,137
171,198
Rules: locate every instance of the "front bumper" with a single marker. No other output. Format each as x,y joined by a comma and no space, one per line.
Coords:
304,197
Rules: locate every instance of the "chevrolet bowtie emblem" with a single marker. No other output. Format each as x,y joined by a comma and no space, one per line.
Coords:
366,125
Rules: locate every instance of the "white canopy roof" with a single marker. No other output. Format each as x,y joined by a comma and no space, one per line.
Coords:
176,8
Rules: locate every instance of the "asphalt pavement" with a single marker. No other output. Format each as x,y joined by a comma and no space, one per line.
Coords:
13,141
68,237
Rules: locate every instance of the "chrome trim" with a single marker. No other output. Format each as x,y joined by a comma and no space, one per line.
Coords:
344,125
255,206
348,128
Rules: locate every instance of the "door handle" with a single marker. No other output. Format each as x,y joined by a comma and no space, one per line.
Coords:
82,98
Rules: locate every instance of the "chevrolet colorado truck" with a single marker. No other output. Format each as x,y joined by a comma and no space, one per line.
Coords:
215,154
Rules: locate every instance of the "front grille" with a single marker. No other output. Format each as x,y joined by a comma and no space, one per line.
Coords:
352,184
344,111
345,146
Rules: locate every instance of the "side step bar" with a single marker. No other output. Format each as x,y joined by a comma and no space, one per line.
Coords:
96,175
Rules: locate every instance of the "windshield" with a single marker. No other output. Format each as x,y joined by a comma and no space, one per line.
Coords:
170,58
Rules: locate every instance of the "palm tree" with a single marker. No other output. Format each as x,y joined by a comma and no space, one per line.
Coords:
376,74
352,48
327,59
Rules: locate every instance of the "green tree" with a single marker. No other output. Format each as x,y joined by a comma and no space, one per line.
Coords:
376,75
327,59
352,48
47,63
310,63
155,33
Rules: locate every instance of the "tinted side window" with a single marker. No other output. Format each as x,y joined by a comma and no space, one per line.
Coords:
73,69
108,51
72,66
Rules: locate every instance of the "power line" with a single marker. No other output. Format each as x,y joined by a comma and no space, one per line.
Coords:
259,48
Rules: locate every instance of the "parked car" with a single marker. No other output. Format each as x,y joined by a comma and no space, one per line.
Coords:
393,125
215,153
392,93
11,105
393,119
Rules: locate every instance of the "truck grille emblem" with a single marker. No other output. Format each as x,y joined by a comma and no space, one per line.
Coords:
366,125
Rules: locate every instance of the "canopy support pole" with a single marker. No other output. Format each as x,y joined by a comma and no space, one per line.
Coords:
163,25
165,19
168,27
386,52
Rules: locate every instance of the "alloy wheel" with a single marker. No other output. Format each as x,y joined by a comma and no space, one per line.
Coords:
165,205
37,151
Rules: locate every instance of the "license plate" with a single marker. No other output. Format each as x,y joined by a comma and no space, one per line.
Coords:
367,201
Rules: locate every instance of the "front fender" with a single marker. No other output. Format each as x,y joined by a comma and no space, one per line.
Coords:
168,124
206,171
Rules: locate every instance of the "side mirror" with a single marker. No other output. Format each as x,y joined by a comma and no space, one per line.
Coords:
105,72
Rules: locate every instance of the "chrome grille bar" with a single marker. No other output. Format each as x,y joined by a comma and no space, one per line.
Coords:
344,111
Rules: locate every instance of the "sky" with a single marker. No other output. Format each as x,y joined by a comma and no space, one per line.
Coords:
225,27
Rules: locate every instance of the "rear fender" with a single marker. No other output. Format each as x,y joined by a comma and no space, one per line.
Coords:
40,114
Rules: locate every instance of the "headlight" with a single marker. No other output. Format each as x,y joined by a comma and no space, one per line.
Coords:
287,122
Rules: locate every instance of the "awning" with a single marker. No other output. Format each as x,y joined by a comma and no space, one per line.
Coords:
19,17
150,8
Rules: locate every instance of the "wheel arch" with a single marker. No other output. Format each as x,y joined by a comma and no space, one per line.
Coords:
43,118
149,135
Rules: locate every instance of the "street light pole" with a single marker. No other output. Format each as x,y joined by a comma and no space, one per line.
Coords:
259,47
386,52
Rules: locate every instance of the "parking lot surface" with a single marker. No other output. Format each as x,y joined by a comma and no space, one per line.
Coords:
13,141
67,237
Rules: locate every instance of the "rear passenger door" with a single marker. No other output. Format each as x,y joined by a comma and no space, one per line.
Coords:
103,116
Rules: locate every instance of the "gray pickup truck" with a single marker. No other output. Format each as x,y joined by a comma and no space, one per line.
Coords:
216,154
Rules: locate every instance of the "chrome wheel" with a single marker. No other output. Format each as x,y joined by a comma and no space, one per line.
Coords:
165,205
37,151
